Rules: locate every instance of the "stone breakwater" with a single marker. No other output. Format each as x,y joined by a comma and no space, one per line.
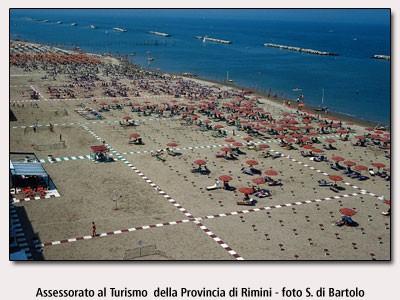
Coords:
299,49
380,56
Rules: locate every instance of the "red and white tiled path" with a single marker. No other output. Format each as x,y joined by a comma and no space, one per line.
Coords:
197,221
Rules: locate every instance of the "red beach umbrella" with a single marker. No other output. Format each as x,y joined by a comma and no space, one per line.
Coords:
246,190
378,165
342,131
349,163
360,168
337,158
289,140
251,162
225,178
226,149
330,141
271,172
335,178
200,162
347,211
134,135
259,180
218,126
229,140
172,144
127,118
308,147
263,146
316,150
237,144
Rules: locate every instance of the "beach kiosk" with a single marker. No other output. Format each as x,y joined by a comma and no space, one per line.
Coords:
29,177
100,153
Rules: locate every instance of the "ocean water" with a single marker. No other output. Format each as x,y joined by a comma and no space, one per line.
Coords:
354,84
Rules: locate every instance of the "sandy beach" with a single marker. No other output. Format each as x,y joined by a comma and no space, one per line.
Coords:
150,205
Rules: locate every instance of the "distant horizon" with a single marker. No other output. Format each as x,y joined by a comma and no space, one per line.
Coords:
379,16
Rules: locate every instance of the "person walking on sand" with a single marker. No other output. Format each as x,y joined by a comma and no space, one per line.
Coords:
94,229
60,137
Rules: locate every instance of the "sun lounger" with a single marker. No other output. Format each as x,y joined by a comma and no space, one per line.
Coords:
304,154
291,147
238,151
334,189
249,202
213,187
323,182
275,183
173,152
273,156
263,193
230,157
255,171
318,158
346,220
329,147
247,171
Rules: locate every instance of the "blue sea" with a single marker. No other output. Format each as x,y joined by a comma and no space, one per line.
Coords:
353,83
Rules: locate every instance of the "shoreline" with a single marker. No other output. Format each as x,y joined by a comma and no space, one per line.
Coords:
276,100
340,116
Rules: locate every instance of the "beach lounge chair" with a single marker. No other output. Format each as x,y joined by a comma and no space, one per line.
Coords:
227,187
262,193
334,189
318,158
329,147
362,178
290,147
247,171
346,220
323,182
238,151
305,154
273,156
275,183
204,171
250,202
230,156
216,186
172,152
255,171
